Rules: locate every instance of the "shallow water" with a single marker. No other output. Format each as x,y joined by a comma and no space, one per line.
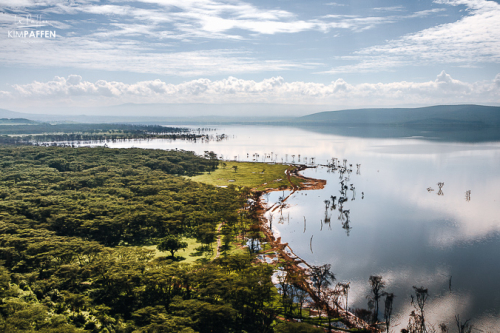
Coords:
398,229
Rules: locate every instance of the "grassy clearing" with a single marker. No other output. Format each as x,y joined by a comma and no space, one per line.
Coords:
254,175
189,254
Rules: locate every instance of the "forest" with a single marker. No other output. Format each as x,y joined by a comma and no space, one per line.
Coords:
73,225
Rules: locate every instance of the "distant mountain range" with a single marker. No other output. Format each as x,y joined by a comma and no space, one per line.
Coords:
476,116
440,115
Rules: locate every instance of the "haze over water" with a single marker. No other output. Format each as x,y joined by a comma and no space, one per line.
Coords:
400,230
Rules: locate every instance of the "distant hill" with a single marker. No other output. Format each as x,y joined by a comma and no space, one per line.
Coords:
17,121
11,114
432,116
184,120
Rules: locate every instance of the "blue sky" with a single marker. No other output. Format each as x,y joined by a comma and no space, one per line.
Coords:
340,54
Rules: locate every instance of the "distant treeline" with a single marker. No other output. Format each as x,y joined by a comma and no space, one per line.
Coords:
79,134
47,128
78,139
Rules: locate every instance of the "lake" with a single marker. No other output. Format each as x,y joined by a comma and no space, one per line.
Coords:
401,225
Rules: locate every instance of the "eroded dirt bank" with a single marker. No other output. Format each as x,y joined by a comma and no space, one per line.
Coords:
294,263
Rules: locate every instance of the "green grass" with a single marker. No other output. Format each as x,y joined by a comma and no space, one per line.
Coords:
254,175
235,248
189,254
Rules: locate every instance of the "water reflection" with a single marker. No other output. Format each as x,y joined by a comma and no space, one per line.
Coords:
344,170
440,185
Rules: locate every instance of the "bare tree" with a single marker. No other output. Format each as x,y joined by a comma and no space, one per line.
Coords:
389,298
443,327
416,323
377,284
440,185
301,298
463,327
422,295
321,277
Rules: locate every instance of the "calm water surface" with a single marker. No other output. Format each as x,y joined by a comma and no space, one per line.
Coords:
398,229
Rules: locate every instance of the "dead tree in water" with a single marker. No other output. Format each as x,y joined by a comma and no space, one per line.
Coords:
327,203
389,298
321,278
333,201
343,288
271,217
463,327
376,284
422,295
416,323
440,185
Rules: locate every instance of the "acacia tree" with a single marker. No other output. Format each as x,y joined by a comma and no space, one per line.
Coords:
171,243
212,157
206,235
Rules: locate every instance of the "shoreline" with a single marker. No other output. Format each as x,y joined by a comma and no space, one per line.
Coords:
294,261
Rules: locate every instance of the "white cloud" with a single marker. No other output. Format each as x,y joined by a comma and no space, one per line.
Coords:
74,90
389,9
217,19
134,56
147,37
497,80
335,4
472,39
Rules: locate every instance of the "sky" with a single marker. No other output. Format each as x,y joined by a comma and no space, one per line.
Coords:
68,55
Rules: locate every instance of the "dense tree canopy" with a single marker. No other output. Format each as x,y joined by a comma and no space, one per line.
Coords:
72,222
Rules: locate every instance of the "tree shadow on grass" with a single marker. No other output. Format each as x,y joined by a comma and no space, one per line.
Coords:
201,250
197,253
169,259
177,258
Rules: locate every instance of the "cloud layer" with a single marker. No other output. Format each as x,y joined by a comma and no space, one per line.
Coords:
228,37
74,90
472,40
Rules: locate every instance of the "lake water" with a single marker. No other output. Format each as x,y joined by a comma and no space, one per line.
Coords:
402,226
